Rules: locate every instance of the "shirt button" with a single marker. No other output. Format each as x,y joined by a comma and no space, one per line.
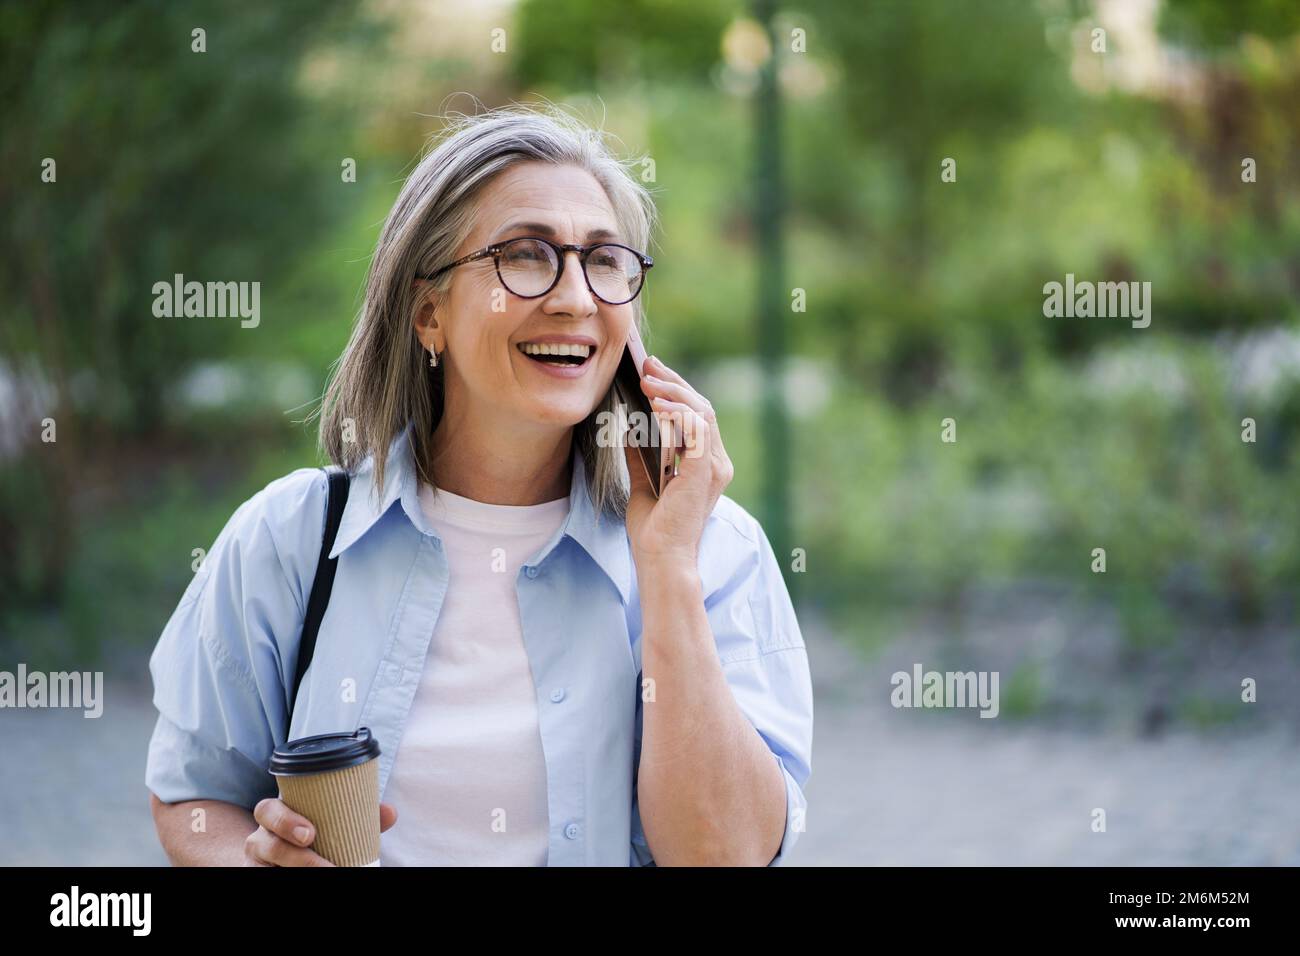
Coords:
572,831
557,695
531,571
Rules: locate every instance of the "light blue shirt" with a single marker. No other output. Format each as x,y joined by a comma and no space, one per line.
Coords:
227,655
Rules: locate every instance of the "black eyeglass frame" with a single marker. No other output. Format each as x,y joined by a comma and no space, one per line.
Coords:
562,251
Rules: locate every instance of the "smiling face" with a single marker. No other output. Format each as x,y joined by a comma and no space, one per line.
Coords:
491,380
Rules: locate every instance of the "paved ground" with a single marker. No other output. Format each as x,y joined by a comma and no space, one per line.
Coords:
888,786
912,787
81,801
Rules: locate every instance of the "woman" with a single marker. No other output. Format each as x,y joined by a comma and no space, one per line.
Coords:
560,668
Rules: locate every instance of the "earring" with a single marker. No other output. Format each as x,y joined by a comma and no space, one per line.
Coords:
433,359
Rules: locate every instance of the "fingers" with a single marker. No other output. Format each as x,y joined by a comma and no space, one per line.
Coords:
282,837
671,393
660,379
655,366
263,848
652,385
682,424
279,839
675,388
277,818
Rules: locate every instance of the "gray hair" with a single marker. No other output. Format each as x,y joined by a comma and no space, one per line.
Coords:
382,381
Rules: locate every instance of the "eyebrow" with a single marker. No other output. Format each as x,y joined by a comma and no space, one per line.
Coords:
543,229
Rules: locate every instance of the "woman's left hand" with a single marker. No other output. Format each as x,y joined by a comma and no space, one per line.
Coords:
668,529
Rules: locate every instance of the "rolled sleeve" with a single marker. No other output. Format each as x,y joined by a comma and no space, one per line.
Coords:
765,662
796,809
182,767
774,691
763,657
219,667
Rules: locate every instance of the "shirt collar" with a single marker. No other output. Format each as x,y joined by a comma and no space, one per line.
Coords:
602,537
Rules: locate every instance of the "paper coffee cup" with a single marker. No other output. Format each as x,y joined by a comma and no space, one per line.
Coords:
333,781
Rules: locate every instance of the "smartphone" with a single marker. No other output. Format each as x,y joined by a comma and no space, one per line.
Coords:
658,459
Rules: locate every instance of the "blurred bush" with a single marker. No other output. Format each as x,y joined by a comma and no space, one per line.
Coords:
924,297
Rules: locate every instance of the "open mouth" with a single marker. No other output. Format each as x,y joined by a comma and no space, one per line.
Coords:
555,353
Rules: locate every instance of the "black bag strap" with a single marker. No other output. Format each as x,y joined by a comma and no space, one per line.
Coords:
323,583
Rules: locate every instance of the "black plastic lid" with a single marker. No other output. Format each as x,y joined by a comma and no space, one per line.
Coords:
323,753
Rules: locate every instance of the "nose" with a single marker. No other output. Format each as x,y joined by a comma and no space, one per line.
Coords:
571,294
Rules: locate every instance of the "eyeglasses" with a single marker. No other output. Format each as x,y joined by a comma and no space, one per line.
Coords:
530,267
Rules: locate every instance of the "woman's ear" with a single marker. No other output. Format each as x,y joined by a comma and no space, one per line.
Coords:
427,328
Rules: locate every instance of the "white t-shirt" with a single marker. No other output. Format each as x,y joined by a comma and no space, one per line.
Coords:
469,778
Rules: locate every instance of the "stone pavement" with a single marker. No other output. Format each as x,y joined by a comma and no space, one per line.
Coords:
888,786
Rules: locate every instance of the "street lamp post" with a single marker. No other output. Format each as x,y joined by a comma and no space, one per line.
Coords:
768,215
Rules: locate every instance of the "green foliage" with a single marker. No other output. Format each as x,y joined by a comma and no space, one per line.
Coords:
1214,23
134,560
924,297
218,165
1024,694
1146,462
168,161
590,44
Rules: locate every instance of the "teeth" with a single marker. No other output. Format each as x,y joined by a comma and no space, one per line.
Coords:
558,348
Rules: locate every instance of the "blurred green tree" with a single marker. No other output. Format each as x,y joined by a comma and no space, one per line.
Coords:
590,44
168,159
1213,23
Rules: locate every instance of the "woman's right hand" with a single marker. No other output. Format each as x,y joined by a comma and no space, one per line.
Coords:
282,837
